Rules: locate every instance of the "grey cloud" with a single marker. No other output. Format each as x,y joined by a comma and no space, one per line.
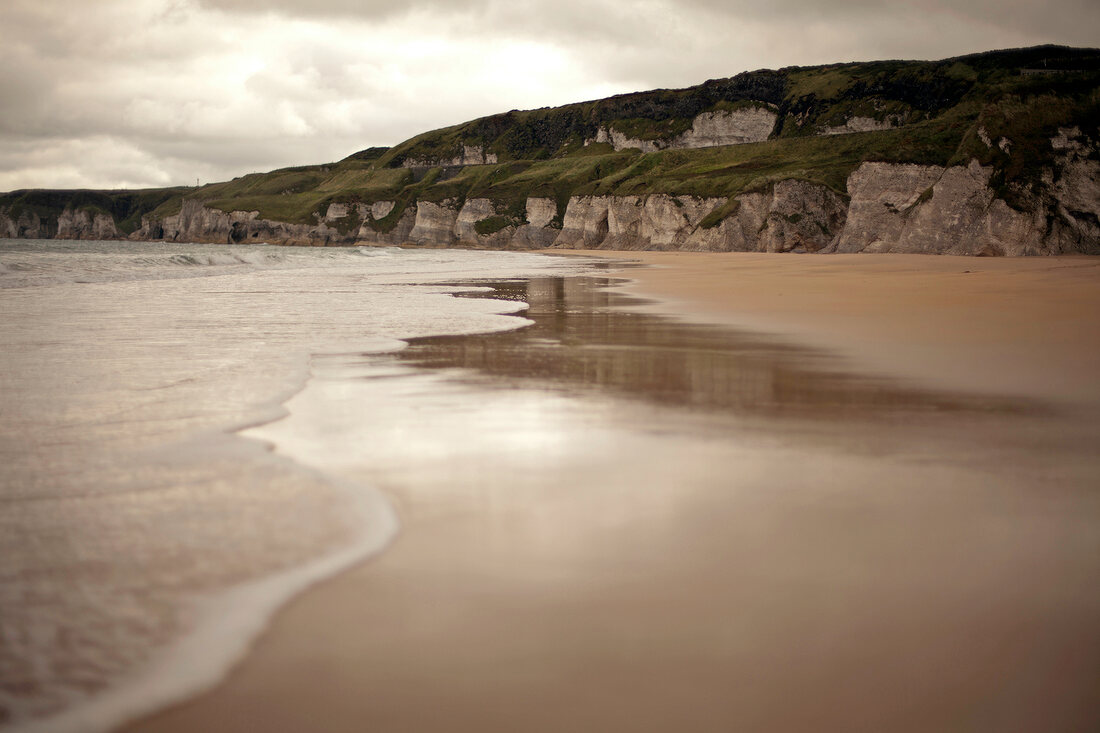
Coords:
146,92
1074,22
567,21
1071,19
370,9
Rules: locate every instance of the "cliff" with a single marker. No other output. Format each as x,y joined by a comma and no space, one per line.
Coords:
888,208
992,154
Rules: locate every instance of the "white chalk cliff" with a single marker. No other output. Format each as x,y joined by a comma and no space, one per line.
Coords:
709,129
471,155
886,208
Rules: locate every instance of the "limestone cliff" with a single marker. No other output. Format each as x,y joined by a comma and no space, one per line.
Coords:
791,216
750,124
471,155
342,225
198,223
69,224
887,208
931,209
435,223
858,123
85,224
25,225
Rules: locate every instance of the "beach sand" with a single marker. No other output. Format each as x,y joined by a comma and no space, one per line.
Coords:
895,529
1018,325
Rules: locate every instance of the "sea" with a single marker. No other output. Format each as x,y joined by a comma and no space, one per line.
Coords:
144,540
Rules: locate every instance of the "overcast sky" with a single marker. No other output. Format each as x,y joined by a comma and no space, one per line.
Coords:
141,93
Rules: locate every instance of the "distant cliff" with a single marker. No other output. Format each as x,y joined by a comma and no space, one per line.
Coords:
994,154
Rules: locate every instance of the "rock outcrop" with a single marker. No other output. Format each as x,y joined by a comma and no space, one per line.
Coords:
709,129
916,208
1074,194
733,127
435,223
791,216
198,223
381,209
471,155
930,209
539,231
473,211
25,225
69,224
862,124
85,224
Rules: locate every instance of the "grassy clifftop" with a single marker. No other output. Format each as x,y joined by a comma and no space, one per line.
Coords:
936,112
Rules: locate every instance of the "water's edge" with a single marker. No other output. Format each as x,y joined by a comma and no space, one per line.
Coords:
227,623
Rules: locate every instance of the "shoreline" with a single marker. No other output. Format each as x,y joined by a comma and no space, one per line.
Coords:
472,594
151,421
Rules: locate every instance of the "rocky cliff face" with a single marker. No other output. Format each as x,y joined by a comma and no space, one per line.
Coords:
862,124
889,208
886,208
85,225
708,129
343,224
792,216
435,223
69,224
25,225
1073,193
933,210
471,155
197,223
929,209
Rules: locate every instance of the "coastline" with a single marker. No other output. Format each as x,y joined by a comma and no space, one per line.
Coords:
457,624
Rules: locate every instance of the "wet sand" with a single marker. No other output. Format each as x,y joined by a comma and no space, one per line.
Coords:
617,521
1025,325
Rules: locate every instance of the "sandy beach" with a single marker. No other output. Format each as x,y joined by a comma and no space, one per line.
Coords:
868,504
1019,325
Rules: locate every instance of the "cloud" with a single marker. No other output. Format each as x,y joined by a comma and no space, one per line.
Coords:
148,92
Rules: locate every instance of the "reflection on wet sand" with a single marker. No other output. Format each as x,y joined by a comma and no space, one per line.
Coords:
594,548
584,337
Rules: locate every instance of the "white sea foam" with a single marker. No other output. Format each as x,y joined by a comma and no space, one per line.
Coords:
214,259
226,625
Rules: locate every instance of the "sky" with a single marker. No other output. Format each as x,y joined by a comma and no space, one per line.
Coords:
149,93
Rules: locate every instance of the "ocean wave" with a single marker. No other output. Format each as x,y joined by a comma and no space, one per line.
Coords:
216,259
377,251
227,623
6,267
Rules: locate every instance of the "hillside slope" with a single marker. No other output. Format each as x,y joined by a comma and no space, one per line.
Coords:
995,153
